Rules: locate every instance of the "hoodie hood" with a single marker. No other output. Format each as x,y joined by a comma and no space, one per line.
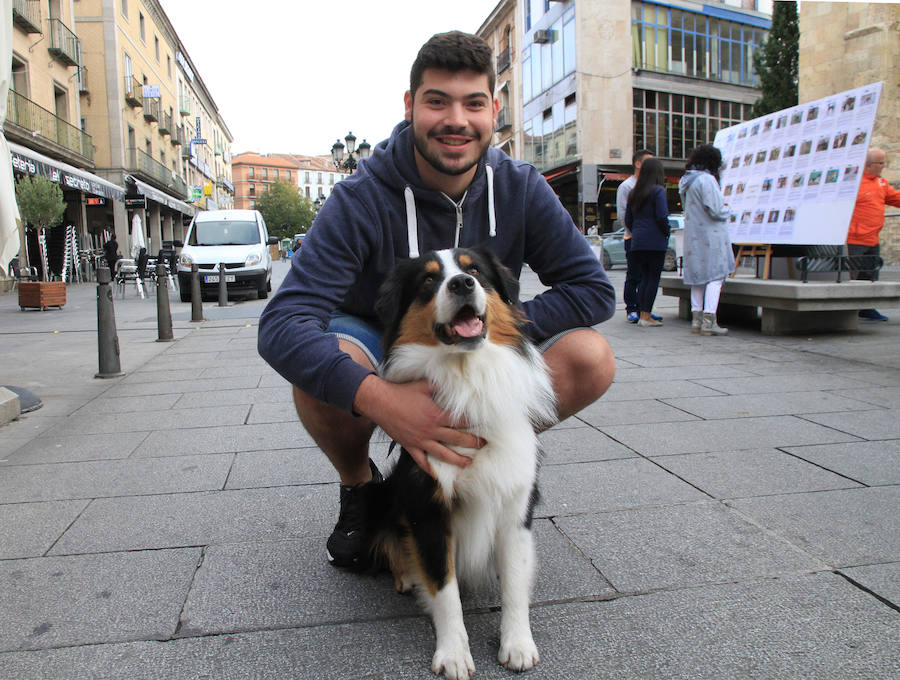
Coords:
689,178
393,163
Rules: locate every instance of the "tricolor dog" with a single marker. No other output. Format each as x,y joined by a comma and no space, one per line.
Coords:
451,318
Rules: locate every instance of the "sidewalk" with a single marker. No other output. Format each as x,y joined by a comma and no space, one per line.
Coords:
728,510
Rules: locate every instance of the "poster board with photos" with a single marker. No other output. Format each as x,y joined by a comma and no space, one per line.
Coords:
792,177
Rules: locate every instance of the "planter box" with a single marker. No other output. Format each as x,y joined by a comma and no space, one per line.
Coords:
42,294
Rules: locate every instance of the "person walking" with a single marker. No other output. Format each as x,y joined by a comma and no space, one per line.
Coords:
708,257
632,275
868,219
647,216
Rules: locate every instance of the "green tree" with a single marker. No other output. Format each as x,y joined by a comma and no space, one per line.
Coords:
776,61
285,211
40,201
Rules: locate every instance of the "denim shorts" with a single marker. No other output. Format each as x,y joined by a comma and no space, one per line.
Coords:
367,336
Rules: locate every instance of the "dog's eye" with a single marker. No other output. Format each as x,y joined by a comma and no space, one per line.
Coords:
428,280
473,270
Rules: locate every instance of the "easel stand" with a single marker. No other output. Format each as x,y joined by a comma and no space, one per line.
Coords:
755,250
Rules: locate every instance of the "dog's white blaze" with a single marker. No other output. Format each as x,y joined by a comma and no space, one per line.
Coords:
444,300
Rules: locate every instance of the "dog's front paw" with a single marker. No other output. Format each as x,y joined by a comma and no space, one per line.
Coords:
518,654
455,663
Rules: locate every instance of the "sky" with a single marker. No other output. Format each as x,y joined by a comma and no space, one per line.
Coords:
292,77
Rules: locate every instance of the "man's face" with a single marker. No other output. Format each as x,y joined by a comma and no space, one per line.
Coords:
875,163
639,162
452,116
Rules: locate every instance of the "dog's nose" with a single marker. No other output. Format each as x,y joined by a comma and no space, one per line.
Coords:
461,284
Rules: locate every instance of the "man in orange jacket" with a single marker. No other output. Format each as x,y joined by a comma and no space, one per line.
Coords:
868,218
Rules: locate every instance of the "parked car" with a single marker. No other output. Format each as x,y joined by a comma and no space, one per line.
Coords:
612,250
236,238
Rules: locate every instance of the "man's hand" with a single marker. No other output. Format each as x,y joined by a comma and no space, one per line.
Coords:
408,414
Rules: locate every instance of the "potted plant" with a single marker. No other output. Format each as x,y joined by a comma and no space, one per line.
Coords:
41,205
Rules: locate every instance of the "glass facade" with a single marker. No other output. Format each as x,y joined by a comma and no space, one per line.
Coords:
671,125
674,40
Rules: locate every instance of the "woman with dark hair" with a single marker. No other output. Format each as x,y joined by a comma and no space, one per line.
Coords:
647,216
708,258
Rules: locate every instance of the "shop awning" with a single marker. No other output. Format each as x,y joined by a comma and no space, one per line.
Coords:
562,171
162,197
30,162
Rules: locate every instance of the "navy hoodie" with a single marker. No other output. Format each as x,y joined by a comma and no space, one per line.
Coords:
372,219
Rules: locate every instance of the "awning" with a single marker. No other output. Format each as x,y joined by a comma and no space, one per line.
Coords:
162,197
30,162
562,171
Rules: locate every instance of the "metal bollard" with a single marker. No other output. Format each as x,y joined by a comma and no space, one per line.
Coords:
107,338
196,300
163,315
223,286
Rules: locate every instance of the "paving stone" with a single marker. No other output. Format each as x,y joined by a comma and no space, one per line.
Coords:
608,485
279,412
152,375
30,529
56,449
259,395
145,421
755,405
878,424
85,599
843,528
871,463
99,479
241,382
225,439
155,402
677,546
604,412
188,519
663,439
284,467
754,472
634,391
579,444
889,397
881,579
778,384
274,380
703,373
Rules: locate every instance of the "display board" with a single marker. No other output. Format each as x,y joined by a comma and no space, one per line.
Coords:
792,176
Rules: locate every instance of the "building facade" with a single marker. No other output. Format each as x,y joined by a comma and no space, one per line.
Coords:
500,30
845,45
317,175
603,78
314,176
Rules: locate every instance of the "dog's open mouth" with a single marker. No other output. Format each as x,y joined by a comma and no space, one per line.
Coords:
465,326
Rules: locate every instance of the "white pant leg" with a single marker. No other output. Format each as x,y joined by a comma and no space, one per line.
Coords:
697,296
711,298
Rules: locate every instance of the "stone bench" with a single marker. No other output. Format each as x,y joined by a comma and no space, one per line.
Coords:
792,306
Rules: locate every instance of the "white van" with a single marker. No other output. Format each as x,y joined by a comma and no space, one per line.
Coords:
237,238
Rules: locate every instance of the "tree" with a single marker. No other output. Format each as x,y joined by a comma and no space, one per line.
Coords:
285,211
41,202
776,61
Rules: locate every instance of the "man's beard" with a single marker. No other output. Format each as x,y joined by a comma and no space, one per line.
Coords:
434,159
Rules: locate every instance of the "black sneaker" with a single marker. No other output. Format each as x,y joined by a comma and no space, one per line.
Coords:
348,545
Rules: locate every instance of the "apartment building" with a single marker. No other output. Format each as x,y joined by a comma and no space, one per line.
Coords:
317,175
156,129
44,122
602,78
254,173
501,31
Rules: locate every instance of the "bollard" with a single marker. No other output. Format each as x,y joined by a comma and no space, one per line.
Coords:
163,315
107,338
196,300
223,286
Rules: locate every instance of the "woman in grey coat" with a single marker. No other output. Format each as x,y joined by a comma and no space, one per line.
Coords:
708,257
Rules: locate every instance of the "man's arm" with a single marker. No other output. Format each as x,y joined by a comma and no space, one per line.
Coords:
891,195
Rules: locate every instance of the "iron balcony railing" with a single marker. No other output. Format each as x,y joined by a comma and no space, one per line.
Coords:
503,61
184,105
143,164
82,79
177,137
165,124
504,119
27,15
134,93
63,43
152,109
26,114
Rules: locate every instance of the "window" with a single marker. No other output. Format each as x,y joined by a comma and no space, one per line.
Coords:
169,65
19,81
125,8
319,181
156,47
61,102
252,188
287,174
129,73
250,172
275,171
142,27
306,178
265,173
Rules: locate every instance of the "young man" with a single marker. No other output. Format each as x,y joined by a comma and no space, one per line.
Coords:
435,183
632,274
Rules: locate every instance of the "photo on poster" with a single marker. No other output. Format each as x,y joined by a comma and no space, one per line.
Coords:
740,188
736,161
748,159
822,144
805,147
728,189
851,172
867,99
745,217
798,180
796,117
760,156
759,217
812,113
840,140
830,109
767,184
767,126
832,176
849,103
754,129
859,137
742,133
782,182
782,122
815,177
773,216
774,153
789,214
790,149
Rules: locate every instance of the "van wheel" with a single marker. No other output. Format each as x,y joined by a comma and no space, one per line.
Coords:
263,291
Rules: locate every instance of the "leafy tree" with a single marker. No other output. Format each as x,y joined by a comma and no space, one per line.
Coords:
285,211
41,202
776,61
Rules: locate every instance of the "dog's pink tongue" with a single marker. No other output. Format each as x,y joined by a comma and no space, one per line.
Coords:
469,327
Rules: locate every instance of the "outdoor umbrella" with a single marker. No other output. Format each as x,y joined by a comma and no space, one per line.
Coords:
137,236
9,210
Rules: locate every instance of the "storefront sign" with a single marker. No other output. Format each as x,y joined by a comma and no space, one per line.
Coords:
64,176
135,203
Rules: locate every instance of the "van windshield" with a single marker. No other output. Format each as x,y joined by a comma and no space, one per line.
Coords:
224,233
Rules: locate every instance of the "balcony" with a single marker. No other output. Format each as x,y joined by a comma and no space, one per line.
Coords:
36,120
177,139
184,105
165,124
27,15
63,43
504,119
152,109
82,80
134,93
148,168
503,61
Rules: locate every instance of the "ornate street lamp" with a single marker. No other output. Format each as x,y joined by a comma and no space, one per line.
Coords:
354,155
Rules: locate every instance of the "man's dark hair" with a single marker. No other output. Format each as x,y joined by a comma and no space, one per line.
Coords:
640,155
453,51
705,157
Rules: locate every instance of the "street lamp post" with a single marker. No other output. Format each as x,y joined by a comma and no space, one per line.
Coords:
353,156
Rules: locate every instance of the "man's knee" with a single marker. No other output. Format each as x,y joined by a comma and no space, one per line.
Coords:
583,366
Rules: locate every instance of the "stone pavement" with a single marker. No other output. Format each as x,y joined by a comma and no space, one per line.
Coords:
728,510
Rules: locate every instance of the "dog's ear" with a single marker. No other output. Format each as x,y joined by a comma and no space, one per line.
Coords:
394,294
501,278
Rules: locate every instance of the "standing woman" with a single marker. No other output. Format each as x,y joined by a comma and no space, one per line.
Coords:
708,257
647,216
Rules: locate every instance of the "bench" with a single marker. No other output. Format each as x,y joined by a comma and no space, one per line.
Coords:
792,306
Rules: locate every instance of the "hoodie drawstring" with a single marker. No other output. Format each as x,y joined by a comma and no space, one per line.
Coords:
412,223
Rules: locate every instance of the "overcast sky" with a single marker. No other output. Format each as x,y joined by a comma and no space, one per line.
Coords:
295,76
